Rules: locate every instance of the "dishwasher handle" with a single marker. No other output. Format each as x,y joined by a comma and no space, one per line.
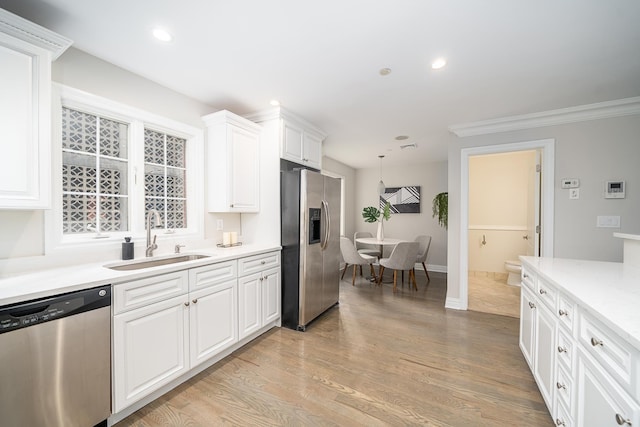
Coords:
25,314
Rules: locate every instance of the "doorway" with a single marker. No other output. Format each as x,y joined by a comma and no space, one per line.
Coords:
504,202
546,149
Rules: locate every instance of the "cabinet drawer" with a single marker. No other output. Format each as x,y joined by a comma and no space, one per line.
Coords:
256,263
546,293
564,387
566,312
210,275
562,418
130,295
614,354
528,278
566,351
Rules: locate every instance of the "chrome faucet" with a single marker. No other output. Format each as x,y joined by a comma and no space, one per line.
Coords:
151,246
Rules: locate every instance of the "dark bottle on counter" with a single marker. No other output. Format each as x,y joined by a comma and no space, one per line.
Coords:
127,248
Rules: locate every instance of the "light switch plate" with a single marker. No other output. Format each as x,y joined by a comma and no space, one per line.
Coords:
608,221
219,225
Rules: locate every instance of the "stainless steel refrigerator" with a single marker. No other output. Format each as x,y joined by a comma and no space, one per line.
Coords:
310,215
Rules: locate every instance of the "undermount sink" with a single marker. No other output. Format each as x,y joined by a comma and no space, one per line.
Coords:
137,265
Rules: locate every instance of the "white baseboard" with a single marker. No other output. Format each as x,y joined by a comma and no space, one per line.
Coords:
453,303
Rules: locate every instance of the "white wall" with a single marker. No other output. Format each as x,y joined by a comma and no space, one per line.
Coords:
594,152
432,178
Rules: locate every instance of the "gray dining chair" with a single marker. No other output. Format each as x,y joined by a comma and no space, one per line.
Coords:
352,257
403,257
363,248
425,242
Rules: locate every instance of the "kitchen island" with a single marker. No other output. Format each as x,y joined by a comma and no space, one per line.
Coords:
580,335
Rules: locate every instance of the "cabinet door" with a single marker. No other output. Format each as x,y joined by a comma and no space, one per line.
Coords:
291,148
527,324
213,325
544,357
25,130
149,349
270,284
312,150
601,402
244,173
249,304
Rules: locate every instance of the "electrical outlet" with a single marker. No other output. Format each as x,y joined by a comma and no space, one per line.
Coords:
219,225
574,193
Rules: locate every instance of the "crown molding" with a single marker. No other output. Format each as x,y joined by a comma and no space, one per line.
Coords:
581,113
34,34
282,113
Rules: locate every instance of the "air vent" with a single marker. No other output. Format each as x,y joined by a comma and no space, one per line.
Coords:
408,146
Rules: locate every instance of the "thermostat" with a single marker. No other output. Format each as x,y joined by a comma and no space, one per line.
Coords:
614,190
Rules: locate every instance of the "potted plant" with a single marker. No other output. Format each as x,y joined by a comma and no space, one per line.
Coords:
372,214
441,208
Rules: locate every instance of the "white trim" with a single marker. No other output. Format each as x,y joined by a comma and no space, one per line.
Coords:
434,267
547,146
455,304
34,34
55,242
499,227
581,113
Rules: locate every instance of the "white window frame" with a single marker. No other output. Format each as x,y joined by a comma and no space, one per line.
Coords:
137,120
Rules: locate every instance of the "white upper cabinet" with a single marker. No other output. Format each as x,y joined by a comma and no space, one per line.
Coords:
26,52
233,166
300,141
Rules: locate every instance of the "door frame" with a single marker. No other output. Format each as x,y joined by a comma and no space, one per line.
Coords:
547,147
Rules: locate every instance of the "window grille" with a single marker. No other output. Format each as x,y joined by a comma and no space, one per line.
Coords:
94,173
165,177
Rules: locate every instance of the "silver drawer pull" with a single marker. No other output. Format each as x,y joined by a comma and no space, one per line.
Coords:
562,349
195,301
596,342
531,305
561,386
542,291
186,304
622,421
559,422
263,262
562,312
525,275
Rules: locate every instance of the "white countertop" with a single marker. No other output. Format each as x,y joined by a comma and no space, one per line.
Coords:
610,291
50,282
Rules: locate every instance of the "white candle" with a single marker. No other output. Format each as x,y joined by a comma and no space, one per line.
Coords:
226,238
234,237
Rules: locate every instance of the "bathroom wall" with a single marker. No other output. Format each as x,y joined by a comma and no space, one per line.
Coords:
501,196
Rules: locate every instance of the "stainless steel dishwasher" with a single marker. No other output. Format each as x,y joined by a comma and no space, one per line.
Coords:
55,360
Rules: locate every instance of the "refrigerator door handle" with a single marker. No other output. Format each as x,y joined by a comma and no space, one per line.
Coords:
327,228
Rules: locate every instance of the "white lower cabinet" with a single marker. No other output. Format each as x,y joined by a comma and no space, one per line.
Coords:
150,348
601,402
587,374
258,292
163,326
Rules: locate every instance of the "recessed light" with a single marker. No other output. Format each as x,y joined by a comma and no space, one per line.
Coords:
438,63
162,35
385,71
274,102
401,137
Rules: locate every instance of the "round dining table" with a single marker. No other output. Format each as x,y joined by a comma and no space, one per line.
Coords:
381,243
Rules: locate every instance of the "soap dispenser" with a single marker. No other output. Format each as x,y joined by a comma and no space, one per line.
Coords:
127,249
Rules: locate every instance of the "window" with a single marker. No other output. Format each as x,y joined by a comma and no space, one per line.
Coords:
165,178
114,164
94,173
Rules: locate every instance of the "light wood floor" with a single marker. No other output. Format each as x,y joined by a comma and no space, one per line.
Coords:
489,295
377,359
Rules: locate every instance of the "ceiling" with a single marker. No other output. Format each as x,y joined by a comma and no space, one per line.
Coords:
321,60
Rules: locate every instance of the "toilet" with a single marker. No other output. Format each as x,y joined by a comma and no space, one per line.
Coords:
514,268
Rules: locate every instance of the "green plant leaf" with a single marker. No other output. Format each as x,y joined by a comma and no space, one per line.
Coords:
386,212
370,214
441,208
